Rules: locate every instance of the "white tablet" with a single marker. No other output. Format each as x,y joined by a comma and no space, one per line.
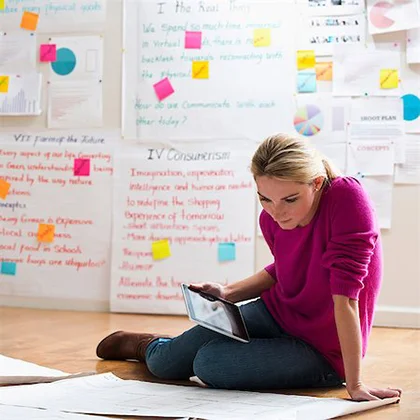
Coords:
215,313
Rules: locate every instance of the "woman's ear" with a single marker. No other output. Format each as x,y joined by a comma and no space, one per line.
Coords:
318,182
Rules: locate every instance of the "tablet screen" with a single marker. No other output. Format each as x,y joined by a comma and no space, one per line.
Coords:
214,313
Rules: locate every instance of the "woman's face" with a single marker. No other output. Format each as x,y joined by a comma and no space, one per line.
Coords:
290,204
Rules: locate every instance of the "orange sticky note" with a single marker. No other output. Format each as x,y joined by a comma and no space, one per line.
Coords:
200,69
29,21
305,59
46,233
161,249
389,79
324,71
262,37
4,84
4,188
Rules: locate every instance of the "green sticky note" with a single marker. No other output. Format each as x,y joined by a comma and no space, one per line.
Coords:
227,251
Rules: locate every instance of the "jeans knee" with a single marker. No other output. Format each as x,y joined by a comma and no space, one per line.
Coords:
208,367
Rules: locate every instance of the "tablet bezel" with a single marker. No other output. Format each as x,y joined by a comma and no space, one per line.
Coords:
244,337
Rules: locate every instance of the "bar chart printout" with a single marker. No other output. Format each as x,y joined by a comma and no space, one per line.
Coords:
23,96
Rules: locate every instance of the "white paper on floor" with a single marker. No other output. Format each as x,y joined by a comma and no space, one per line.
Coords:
106,394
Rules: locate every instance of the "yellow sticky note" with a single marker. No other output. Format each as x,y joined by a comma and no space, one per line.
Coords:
4,188
262,37
46,233
4,84
29,21
305,59
389,79
2,5
161,249
200,69
324,71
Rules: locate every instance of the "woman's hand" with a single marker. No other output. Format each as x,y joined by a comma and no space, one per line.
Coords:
214,289
364,393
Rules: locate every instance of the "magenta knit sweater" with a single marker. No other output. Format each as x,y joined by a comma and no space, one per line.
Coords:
337,253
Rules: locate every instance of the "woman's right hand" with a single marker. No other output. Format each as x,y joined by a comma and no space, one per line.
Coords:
214,289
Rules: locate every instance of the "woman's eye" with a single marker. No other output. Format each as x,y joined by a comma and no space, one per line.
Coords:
291,200
264,199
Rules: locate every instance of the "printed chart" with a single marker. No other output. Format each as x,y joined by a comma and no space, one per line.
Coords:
308,120
378,14
65,63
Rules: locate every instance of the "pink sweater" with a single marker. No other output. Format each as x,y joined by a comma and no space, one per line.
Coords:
337,253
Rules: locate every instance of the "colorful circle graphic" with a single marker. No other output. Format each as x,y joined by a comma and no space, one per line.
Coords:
411,107
308,120
66,62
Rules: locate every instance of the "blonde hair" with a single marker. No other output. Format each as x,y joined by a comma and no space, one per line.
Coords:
291,159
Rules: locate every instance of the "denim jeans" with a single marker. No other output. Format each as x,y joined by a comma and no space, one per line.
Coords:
272,359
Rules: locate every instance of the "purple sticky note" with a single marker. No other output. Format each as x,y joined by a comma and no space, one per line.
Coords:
48,53
193,40
163,89
81,167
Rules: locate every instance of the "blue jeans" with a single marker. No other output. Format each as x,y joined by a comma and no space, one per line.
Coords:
272,359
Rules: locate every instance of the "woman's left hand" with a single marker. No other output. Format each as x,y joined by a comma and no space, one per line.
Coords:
362,392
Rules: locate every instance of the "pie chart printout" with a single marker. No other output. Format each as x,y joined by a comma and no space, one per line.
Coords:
66,62
308,120
378,16
411,107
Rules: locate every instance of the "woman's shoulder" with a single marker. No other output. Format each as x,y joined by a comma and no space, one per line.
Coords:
346,196
346,188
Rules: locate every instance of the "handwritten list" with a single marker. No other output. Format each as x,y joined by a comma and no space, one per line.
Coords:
193,199
217,57
55,225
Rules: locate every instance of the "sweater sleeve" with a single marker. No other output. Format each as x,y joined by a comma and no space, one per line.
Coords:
268,234
353,238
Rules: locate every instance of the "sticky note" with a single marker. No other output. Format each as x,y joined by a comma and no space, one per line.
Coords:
262,37
163,89
306,81
305,59
48,53
4,84
2,5
46,233
193,40
227,251
161,249
324,71
389,79
29,21
200,69
4,188
81,167
8,268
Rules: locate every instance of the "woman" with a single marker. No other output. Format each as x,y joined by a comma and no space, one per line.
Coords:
310,325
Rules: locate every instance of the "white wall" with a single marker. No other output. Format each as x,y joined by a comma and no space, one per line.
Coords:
399,303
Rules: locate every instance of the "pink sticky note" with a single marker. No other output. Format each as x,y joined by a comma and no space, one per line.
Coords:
48,53
193,40
81,167
163,89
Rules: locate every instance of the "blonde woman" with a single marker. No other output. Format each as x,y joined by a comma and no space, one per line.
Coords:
310,325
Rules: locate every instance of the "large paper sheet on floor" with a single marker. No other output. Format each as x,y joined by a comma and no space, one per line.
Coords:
230,67
24,413
56,16
55,223
109,395
17,372
200,200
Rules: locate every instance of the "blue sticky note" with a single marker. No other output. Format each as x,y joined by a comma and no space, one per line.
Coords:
8,268
227,251
306,81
